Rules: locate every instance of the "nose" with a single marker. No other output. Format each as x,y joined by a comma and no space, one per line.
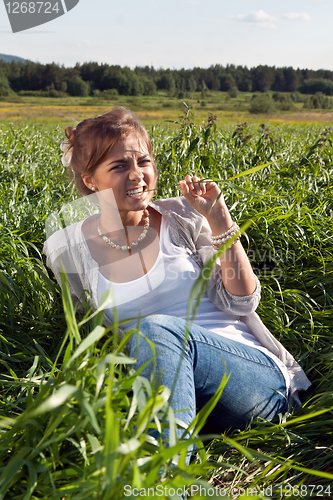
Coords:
135,172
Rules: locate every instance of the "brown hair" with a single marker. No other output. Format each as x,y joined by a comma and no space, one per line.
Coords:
93,139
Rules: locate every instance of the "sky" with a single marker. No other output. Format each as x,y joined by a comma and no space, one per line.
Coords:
181,34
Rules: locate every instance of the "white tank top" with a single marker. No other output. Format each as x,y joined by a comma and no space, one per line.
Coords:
166,289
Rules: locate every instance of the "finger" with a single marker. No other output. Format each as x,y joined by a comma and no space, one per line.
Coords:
187,193
200,185
190,184
184,187
196,184
209,185
203,186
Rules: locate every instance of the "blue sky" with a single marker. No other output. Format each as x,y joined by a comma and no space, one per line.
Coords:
181,33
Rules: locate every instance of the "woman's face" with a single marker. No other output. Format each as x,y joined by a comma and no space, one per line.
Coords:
129,171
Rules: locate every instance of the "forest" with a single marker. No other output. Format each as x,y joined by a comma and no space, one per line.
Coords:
91,78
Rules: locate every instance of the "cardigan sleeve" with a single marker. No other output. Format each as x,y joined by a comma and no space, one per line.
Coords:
216,291
65,250
63,255
63,261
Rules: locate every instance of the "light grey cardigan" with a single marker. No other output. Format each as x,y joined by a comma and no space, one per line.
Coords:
191,230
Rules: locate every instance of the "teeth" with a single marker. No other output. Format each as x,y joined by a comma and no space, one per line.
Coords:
135,191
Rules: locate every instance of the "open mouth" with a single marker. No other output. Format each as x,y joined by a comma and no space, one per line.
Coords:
137,191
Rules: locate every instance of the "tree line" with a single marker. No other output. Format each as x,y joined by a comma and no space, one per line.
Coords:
92,78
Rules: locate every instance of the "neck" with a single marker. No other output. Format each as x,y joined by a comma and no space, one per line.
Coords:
113,222
132,218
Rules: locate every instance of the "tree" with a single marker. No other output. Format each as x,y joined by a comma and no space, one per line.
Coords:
291,79
136,84
203,89
227,82
166,82
262,104
244,83
77,87
191,84
279,82
317,101
233,91
149,87
51,74
5,89
314,85
262,78
63,86
284,101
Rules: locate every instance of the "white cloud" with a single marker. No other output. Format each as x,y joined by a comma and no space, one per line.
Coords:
259,18
264,20
295,16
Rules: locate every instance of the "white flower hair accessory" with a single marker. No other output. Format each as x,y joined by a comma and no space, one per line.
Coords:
67,156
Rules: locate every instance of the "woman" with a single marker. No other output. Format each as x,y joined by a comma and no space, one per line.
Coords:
148,255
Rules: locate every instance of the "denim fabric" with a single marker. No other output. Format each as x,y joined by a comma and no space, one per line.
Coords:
256,387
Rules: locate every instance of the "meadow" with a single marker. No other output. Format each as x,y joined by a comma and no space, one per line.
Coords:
75,418
158,109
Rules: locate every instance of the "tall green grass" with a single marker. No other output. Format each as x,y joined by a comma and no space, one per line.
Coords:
76,419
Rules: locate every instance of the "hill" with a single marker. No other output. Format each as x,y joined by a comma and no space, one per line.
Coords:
8,58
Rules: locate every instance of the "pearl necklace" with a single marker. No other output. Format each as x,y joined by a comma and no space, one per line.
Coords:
134,243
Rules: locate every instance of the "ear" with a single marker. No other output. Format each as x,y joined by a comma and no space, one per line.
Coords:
88,181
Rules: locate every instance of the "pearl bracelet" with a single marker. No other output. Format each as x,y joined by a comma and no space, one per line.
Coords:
216,241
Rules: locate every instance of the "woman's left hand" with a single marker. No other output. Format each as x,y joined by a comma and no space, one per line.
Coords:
237,274
201,195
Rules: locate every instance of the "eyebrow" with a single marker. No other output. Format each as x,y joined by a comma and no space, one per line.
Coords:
126,160
121,160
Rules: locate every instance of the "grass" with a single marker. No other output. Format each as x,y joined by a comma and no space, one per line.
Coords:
75,417
153,110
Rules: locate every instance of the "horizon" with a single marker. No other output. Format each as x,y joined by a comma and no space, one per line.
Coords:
164,69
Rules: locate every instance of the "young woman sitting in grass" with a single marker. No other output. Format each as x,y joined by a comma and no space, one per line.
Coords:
147,256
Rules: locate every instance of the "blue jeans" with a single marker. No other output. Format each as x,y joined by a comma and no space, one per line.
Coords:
256,387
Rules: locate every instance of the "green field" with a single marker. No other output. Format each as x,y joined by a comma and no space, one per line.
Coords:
153,110
74,421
